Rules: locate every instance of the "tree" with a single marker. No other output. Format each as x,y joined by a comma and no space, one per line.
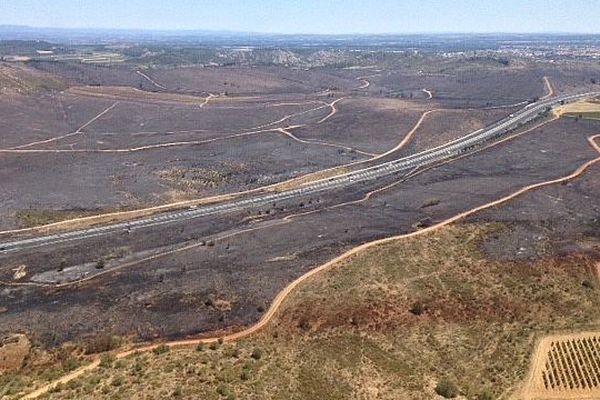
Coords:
102,342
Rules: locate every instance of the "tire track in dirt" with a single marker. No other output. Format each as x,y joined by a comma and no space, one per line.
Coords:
259,129
333,110
141,148
549,88
287,133
152,81
77,132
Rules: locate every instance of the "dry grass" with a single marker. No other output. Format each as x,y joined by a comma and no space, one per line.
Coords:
349,333
30,218
581,109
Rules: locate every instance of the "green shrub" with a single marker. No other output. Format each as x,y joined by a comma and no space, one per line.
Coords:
486,394
223,390
117,381
106,360
102,342
235,353
178,391
69,364
447,389
245,375
138,367
257,353
163,348
304,324
247,365
417,309
56,388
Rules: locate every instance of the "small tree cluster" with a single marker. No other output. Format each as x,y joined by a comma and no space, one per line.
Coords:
102,342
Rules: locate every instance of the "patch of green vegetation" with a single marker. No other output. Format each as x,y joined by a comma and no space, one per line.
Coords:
31,218
584,115
12,383
161,349
194,178
446,389
430,202
102,342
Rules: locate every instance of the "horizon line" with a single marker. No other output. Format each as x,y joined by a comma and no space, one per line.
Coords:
230,31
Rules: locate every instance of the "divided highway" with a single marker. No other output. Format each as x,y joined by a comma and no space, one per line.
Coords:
424,158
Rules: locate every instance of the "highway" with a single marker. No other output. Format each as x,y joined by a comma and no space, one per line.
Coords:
418,160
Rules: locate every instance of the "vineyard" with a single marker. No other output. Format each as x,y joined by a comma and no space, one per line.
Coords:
566,367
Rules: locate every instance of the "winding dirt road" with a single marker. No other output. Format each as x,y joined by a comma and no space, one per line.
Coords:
152,81
287,133
549,88
333,110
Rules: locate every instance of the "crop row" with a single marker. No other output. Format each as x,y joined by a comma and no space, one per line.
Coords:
573,364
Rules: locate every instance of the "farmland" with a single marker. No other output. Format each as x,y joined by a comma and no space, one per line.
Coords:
565,367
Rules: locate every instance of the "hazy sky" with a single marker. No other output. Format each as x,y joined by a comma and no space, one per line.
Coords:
311,16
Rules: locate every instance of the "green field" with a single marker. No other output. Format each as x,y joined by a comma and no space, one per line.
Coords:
585,115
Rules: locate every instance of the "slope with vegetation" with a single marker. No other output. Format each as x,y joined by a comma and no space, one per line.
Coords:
412,319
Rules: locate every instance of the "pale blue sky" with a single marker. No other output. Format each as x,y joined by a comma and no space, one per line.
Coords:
311,16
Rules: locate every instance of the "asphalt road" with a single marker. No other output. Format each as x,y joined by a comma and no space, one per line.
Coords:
421,159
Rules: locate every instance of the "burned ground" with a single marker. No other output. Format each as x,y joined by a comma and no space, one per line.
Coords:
92,149
469,88
374,125
251,80
249,262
